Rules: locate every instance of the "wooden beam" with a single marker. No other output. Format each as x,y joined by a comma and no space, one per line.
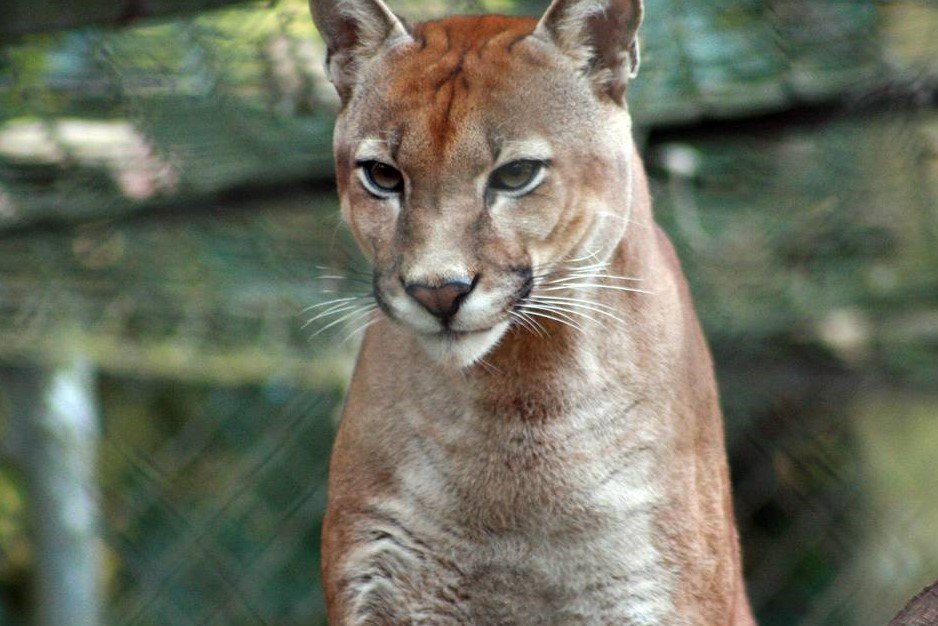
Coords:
22,17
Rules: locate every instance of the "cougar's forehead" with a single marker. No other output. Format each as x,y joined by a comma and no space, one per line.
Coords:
467,84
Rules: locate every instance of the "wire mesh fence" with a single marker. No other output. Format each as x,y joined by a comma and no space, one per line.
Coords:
166,215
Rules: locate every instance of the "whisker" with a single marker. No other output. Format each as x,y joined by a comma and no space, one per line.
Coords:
562,308
625,218
361,328
628,219
556,319
344,270
352,316
543,332
533,324
334,301
579,276
516,317
564,300
491,369
568,302
334,310
564,268
525,322
537,309
598,286
350,279
537,325
588,255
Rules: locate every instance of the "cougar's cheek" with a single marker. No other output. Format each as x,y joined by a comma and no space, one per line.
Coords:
373,229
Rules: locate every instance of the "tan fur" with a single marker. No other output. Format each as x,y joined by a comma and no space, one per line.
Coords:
508,476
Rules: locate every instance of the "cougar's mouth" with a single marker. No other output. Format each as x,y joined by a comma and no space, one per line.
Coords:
472,328
456,335
462,347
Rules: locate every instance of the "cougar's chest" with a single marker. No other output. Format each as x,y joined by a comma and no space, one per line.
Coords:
525,470
542,525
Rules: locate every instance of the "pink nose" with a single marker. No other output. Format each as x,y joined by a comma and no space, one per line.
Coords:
442,301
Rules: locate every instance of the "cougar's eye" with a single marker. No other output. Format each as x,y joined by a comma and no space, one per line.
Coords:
381,179
518,177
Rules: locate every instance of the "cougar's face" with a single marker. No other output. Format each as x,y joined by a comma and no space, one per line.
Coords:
472,162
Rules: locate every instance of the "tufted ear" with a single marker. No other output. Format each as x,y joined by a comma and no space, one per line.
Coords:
600,35
355,31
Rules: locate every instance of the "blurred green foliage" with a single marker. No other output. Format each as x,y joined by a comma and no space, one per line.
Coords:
167,212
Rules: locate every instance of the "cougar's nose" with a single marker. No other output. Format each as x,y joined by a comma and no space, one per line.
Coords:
442,301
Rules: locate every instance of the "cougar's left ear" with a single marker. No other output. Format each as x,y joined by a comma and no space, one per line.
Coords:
355,32
599,34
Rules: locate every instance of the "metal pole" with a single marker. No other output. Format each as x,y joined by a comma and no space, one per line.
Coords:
56,435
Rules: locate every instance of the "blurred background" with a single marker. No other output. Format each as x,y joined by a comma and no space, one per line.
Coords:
167,213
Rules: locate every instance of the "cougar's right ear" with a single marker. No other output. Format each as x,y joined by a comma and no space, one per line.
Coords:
355,31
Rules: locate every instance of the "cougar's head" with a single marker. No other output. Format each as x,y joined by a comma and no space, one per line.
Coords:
475,155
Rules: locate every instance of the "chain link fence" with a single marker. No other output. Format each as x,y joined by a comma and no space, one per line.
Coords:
167,214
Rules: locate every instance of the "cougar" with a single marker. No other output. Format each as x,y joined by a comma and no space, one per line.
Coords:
532,433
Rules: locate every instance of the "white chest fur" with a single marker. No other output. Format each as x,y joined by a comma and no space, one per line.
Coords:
536,524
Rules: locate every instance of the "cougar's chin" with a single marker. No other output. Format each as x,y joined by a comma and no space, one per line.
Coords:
461,348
